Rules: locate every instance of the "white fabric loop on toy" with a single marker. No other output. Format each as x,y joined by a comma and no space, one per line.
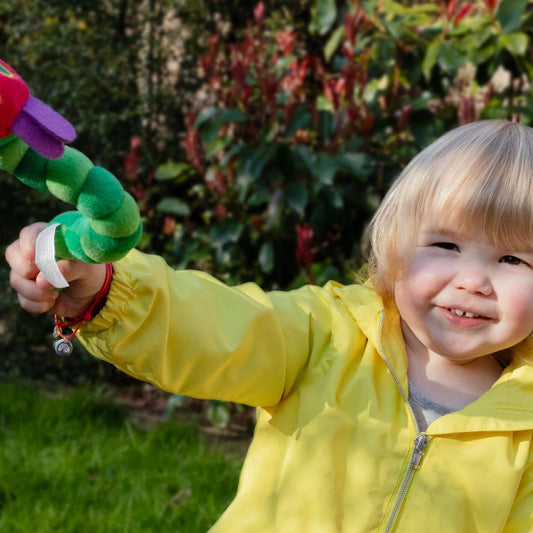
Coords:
45,257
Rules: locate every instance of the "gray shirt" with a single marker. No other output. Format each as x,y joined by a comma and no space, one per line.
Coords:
425,410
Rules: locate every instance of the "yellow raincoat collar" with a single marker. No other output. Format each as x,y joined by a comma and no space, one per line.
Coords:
506,406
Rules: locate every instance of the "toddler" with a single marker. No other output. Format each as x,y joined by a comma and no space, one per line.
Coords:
401,404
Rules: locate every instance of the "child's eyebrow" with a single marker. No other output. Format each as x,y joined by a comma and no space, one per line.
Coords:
444,232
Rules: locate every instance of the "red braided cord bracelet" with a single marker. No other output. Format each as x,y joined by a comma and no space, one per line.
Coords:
90,312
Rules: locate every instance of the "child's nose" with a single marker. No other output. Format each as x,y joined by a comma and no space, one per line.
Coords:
474,278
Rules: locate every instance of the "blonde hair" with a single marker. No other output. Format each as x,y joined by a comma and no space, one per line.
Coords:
479,176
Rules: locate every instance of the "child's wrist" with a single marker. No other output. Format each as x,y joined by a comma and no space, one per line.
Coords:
93,309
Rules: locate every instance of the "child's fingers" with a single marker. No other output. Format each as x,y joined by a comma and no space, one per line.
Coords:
31,297
28,237
20,254
35,293
19,262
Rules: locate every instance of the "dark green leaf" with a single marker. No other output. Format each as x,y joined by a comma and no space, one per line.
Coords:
515,43
396,29
251,162
227,231
430,58
205,115
300,121
275,211
333,43
355,163
323,16
450,59
384,51
260,196
335,198
284,62
173,206
509,14
324,168
325,125
234,150
303,158
169,171
482,54
231,115
266,257
217,145
209,131
297,196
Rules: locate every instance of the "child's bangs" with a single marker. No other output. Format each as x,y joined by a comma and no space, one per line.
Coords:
486,188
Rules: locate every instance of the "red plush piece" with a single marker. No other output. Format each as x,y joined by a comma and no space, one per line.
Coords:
14,94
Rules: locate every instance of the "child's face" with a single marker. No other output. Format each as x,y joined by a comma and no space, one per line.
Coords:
463,298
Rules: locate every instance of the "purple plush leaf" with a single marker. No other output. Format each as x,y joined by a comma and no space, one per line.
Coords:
49,120
36,137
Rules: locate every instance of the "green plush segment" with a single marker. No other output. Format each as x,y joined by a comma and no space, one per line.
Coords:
68,236
32,171
103,249
7,140
107,224
11,153
100,195
121,223
66,176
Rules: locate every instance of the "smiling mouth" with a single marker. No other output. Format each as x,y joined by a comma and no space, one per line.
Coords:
466,314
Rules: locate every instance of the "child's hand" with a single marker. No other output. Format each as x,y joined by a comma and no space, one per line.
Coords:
36,294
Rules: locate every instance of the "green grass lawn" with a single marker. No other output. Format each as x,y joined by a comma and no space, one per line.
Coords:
74,463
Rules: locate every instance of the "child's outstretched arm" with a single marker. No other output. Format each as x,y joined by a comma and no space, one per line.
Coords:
35,293
183,331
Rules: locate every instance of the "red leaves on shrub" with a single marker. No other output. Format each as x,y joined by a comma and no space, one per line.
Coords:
209,60
269,88
296,76
450,8
491,5
131,159
217,182
285,40
169,226
333,89
242,56
463,13
193,145
353,23
466,111
304,253
259,13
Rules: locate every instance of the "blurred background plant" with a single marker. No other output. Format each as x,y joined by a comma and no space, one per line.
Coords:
257,137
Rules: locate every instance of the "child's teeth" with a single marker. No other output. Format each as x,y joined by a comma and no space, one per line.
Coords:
458,312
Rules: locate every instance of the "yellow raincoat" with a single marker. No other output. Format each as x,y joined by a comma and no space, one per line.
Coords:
336,448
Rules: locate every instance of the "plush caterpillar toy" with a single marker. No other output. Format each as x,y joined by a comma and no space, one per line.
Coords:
106,224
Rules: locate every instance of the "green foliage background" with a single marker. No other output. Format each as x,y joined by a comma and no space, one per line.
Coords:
258,138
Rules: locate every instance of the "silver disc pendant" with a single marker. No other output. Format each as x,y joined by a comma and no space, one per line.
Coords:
63,347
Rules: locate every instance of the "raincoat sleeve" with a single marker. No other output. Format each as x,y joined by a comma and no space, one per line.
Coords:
188,333
521,516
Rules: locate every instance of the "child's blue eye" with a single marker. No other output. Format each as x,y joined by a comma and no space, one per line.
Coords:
446,245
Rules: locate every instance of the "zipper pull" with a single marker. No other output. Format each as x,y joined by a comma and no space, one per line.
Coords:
421,441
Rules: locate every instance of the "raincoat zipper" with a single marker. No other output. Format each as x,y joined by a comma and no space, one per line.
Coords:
420,443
